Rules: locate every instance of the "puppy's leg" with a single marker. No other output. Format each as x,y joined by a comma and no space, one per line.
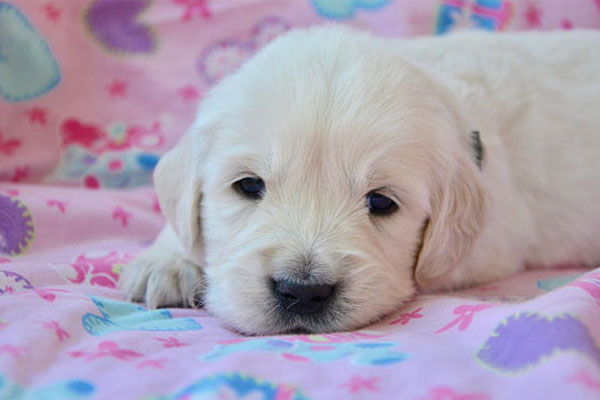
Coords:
163,276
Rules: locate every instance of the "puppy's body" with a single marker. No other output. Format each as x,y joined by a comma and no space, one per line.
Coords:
327,116
535,98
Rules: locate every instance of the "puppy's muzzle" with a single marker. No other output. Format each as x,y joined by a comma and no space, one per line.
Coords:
302,298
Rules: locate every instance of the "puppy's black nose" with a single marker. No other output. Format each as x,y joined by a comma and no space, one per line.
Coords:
302,298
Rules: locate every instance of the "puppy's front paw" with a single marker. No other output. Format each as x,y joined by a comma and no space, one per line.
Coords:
163,280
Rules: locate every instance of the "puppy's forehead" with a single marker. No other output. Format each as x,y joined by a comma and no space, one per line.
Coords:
305,87
309,98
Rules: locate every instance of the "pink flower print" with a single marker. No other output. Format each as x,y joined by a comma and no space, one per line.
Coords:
171,342
193,7
566,24
8,289
60,205
8,146
189,93
117,88
91,182
447,393
61,334
465,316
99,268
406,317
107,349
357,384
37,114
20,174
158,364
533,16
52,12
122,215
585,379
47,294
15,351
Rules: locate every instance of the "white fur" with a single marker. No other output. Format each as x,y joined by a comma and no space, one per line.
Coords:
326,115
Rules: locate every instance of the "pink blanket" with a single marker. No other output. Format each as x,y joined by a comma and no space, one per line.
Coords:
92,93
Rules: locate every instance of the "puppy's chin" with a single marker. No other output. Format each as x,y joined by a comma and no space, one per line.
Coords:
273,320
247,305
280,323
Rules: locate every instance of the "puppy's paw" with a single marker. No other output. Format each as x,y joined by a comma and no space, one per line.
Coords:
163,279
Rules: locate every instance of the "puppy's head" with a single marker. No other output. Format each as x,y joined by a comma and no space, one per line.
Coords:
322,183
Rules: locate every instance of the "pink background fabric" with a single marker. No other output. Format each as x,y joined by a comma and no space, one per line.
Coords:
109,87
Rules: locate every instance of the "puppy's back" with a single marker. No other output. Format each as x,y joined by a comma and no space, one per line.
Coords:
535,97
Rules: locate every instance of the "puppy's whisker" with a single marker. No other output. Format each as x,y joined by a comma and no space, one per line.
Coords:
292,304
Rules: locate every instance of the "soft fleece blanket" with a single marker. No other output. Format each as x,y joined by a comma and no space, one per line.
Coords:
93,92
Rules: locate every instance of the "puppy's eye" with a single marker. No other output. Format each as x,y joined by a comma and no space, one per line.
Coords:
251,188
380,205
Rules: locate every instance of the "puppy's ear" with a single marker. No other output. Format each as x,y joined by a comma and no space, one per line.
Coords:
177,182
457,217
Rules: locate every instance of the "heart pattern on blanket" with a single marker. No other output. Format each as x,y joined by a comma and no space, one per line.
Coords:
74,131
115,25
117,316
27,67
222,58
525,340
345,9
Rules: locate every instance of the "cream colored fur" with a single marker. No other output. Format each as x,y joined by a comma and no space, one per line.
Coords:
326,115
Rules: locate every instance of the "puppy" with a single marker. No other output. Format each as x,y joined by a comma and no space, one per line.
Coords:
335,174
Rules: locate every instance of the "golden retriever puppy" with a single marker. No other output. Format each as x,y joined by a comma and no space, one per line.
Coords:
336,174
